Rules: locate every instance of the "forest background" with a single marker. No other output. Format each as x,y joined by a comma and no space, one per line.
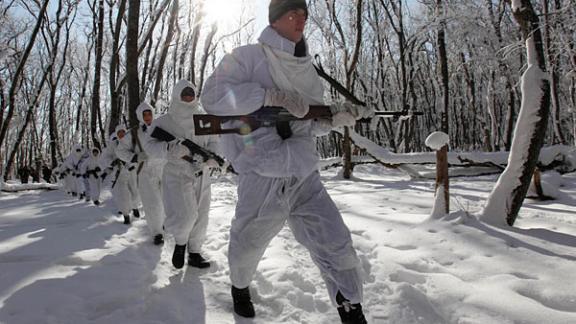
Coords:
71,70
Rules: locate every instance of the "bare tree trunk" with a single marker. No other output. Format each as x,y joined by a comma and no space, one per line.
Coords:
147,70
205,56
198,21
350,68
2,103
132,54
164,54
471,91
113,73
506,199
491,107
553,64
573,96
510,114
98,50
83,91
443,58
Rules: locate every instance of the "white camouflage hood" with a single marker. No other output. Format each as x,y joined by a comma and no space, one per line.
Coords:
180,109
119,128
141,109
183,112
77,151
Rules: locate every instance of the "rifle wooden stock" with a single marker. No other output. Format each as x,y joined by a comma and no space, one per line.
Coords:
268,117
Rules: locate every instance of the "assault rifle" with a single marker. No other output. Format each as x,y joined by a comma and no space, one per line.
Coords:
195,149
93,172
268,117
117,174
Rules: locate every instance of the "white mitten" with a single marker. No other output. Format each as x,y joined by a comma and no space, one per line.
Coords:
290,101
211,164
225,167
176,150
343,118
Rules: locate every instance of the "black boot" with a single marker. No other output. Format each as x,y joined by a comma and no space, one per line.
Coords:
242,302
127,219
158,239
197,261
97,202
136,213
178,256
349,313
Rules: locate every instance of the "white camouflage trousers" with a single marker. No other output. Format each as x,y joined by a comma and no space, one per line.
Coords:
125,191
265,204
150,187
186,204
95,185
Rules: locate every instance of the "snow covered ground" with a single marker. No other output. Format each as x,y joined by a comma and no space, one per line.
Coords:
66,261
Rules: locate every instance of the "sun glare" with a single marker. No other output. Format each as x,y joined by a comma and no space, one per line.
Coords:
226,13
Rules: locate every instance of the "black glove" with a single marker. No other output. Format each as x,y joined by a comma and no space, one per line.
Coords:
131,168
103,175
97,169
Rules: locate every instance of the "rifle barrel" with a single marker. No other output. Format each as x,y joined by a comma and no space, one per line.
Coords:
398,113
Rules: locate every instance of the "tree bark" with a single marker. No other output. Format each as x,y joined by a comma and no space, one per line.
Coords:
204,61
113,73
164,54
198,22
98,50
83,91
132,54
555,79
443,58
510,191
350,68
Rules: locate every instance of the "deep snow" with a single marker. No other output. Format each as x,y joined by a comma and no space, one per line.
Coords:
67,261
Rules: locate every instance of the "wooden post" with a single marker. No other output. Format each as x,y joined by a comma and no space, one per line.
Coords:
442,175
537,178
